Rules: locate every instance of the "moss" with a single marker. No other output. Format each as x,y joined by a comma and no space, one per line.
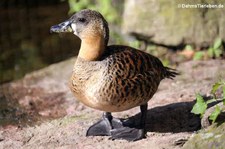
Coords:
211,138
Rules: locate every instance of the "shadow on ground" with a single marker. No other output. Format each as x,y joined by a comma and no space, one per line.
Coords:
176,117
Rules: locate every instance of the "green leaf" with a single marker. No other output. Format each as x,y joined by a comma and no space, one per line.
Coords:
215,87
215,114
188,47
210,52
198,55
217,43
210,101
200,105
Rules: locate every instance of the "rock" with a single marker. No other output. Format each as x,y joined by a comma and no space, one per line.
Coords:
212,137
163,23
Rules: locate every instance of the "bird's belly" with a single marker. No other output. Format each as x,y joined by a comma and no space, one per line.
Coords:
101,96
107,105
105,102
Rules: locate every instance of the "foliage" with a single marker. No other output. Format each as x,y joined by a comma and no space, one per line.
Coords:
188,47
201,105
215,114
216,50
198,55
104,7
213,51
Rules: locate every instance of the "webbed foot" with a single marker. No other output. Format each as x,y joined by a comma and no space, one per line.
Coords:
104,126
101,128
127,133
118,129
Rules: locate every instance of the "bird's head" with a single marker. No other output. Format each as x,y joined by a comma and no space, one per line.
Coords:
85,24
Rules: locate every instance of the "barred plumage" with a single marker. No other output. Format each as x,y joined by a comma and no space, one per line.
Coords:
111,78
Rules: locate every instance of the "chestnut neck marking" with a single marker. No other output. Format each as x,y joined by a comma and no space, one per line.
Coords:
92,48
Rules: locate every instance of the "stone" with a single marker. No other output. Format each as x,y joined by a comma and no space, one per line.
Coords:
167,23
213,137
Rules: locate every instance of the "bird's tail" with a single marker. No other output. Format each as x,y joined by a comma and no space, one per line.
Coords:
170,73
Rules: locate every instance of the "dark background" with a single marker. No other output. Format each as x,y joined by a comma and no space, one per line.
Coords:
25,41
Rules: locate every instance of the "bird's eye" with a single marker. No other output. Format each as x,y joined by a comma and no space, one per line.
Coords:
82,20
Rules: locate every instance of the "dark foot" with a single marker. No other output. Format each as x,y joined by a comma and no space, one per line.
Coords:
130,132
127,133
101,128
104,126
118,129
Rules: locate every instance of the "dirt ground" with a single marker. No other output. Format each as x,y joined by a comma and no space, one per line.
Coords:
57,120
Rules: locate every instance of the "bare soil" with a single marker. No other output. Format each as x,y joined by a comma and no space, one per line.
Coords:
46,115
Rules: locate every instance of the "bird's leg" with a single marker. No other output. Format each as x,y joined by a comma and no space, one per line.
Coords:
143,115
132,133
104,126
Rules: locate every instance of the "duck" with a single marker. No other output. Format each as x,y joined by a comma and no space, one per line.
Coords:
111,78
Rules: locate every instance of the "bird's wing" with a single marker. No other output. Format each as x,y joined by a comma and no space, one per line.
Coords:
126,62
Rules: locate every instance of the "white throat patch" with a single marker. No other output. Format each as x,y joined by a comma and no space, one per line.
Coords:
74,28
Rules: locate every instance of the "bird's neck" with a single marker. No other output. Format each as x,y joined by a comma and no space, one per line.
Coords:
92,48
